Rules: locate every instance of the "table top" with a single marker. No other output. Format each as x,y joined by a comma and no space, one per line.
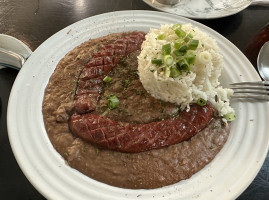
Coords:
34,21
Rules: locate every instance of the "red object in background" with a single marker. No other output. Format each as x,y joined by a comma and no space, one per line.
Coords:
254,46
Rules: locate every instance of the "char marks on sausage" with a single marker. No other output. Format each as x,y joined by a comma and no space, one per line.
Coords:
121,135
126,137
89,85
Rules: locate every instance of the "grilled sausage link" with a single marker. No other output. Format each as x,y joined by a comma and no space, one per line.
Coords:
133,138
89,86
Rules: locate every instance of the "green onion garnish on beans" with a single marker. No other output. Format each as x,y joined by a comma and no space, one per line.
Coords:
166,49
193,44
113,102
174,73
229,117
201,102
107,79
161,36
157,61
168,60
180,33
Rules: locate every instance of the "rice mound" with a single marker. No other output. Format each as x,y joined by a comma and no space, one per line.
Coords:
202,80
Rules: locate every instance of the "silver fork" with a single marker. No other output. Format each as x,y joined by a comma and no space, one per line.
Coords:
251,90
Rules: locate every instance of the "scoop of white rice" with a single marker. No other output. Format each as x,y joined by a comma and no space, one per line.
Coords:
201,82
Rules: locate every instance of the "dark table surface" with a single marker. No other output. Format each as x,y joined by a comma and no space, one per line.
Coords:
33,21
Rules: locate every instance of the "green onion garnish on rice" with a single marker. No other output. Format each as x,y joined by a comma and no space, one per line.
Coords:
178,43
201,102
161,37
176,26
168,60
180,33
178,53
167,71
174,73
229,117
190,57
193,44
183,49
181,56
166,49
183,65
205,57
157,61
188,37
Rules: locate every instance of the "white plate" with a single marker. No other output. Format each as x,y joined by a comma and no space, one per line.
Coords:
225,177
202,9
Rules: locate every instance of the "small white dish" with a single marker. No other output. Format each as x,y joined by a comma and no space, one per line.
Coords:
202,9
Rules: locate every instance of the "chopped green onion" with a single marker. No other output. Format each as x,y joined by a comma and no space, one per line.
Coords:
183,49
107,79
178,43
174,73
168,60
180,33
190,57
183,65
188,37
125,83
161,36
229,117
166,49
205,57
113,102
193,44
201,102
178,53
157,61
176,26
167,71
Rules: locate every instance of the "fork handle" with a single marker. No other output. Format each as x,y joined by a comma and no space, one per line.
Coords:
265,83
257,97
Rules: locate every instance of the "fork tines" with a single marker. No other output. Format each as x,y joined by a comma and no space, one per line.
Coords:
254,90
